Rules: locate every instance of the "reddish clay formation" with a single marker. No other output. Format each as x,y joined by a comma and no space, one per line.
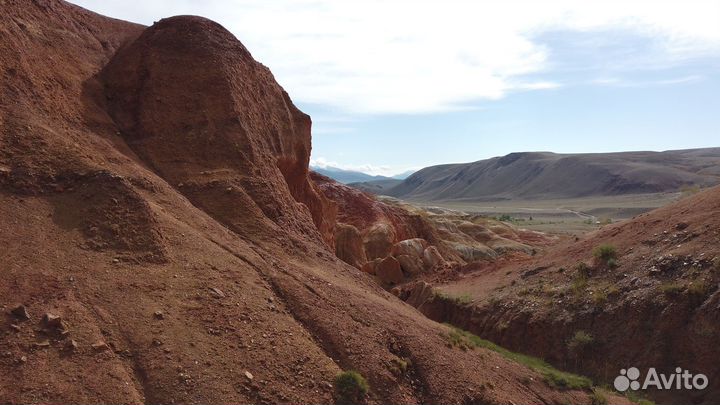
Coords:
156,200
655,304
423,243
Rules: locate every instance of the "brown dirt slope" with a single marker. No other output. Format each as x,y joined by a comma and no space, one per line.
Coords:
657,308
154,195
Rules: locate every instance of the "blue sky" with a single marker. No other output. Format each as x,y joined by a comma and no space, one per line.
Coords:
394,85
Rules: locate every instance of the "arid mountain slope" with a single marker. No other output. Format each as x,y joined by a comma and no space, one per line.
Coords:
154,195
545,175
655,306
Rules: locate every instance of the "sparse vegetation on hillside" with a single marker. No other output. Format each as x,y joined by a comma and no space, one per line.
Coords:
505,218
671,289
457,299
583,270
350,387
553,377
399,365
598,398
580,281
698,291
601,295
606,255
580,341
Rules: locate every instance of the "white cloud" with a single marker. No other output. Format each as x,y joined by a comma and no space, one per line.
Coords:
375,56
372,170
617,82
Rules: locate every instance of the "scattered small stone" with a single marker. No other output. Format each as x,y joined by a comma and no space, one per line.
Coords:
20,312
159,315
249,375
116,261
14,327
157,342
100,346
42,343
52,320
55,323
23,359
216,292
71,345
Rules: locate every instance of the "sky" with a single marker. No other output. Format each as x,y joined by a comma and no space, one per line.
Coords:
399,85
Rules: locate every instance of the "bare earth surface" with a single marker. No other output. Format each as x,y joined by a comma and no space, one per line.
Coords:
657,307
154,195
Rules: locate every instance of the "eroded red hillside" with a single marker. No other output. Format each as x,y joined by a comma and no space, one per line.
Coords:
162,242
656,305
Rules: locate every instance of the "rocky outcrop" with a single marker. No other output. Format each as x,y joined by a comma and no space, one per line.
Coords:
224,120
393,229
349,245
388,271
432,258
378,241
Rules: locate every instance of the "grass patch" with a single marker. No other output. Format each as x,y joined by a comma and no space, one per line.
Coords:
463,299
698,291
634,397
553,377
597,398
350,387
606,254
600,297
399,366
580,341
671,290
580,281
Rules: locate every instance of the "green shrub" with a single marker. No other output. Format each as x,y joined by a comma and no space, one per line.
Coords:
671,289
350,387
597,398
399,366
604,253
600,297
612,263
583,270
580,341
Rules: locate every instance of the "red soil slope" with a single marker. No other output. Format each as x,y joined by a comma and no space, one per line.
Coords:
154,195
657,308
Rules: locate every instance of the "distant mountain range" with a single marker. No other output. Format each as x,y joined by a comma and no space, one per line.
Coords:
352,176
546,175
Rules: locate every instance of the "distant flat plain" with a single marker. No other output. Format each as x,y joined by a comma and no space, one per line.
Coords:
563,216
